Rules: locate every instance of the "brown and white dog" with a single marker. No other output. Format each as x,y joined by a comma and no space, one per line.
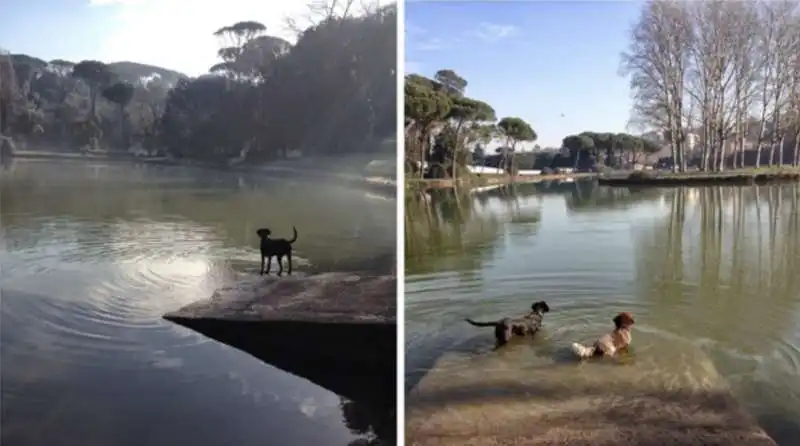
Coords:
610,343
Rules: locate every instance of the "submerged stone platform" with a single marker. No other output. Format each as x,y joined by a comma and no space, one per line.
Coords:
338,330
665,398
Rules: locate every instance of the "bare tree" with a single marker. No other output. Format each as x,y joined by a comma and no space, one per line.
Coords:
657,63
746,71
794,90
725,70
319,11
775,41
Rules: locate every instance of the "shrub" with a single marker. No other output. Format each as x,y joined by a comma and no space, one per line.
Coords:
639,175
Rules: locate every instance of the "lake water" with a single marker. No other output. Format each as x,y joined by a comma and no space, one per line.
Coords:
94,254
718,268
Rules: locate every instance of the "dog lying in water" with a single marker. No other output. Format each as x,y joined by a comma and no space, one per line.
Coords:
506,328
610,343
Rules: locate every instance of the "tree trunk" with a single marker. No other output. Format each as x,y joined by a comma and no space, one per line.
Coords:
762,127
722,149
4,112
772,149
122,135
706,164
93,100
742,142
796,157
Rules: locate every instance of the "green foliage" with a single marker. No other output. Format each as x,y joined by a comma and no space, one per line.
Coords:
466,109
577,143
438,109
452,83
587,148
424,103
97,76
333,92
478,153
94,73
119,93
516,129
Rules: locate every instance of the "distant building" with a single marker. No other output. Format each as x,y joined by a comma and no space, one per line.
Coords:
692,140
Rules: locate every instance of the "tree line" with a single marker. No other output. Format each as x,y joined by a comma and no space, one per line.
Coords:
726,74
441,123
332,92
448,130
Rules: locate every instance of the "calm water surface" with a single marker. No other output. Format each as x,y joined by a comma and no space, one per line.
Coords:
93,254
717,267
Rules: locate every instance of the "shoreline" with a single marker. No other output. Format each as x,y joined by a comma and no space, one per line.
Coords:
377,184
738,177
478,180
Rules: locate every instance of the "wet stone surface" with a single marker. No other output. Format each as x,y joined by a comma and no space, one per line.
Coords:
674,397
325,298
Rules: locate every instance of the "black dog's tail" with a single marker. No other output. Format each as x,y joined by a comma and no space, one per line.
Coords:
481,324
294,239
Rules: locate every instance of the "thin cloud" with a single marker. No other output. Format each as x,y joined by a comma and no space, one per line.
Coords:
414,30
433,44
492,32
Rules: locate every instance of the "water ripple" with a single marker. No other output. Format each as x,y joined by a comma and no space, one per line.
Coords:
716,282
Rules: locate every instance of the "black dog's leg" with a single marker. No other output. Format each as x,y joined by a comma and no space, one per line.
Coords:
261,270
269,263
502,334
280,264
289,260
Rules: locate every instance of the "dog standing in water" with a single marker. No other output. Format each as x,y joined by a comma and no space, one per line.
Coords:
275,247
506,328
610,343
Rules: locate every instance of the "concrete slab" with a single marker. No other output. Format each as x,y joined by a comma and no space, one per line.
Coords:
675,397
337,330
320,298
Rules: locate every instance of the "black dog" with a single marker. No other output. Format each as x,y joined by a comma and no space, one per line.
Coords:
278,247
506,328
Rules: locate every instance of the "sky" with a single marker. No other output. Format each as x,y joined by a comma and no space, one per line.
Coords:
537,60
173,34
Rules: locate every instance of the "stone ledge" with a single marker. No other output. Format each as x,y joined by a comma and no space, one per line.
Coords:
337,330
491,400
329,297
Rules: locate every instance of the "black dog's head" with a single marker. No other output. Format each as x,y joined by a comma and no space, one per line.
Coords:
540,307
263,232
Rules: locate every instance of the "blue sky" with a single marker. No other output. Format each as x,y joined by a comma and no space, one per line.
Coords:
534,59
174,34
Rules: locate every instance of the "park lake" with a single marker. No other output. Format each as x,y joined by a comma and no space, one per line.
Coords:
94,253
711,267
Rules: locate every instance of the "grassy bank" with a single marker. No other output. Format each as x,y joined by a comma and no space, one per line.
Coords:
482,180
729,177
